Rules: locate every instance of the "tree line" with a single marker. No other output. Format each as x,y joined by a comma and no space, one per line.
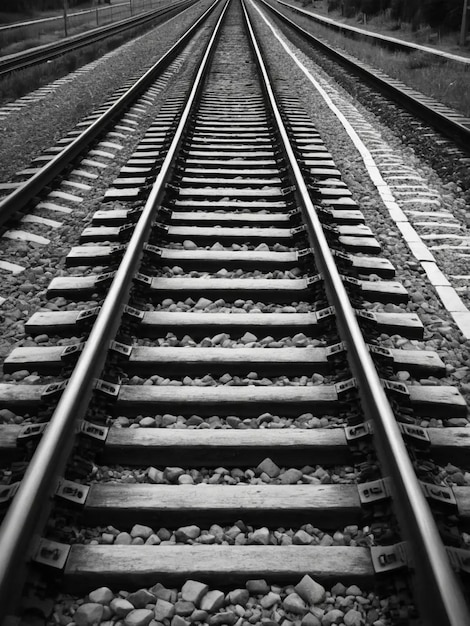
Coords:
444,15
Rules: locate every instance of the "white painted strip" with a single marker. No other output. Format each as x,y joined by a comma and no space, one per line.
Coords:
463,322
453,301
420,251
396,212
408,232
11,267
435,275
449,297
22,235
36,219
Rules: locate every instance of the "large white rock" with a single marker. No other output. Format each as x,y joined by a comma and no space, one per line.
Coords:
163,610
103,595
212,601
294,604
193,591
138,617
88,614
310,591
121,607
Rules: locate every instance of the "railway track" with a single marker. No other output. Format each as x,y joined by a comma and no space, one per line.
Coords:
392,43
60,159
204,291
445,120
43,54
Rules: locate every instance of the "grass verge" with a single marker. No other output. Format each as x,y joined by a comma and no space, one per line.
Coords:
446,81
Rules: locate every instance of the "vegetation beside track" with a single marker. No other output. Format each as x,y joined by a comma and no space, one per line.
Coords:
427,73
43,28
19,83
420,20
35,7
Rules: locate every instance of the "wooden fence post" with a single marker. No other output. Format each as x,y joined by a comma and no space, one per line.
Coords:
463,27
65,17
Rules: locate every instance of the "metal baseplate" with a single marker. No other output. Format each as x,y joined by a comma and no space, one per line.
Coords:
71,491
374,491
51,553
390,558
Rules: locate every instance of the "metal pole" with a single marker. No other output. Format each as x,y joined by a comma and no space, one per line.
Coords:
65,17
463,27
130,6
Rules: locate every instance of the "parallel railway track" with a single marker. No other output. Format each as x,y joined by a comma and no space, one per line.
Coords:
445,120
218,231
392,43
43,54
79,141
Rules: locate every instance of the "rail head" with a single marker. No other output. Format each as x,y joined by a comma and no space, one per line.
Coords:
28,511
439,595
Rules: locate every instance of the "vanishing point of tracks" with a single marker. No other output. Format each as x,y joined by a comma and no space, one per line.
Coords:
232,228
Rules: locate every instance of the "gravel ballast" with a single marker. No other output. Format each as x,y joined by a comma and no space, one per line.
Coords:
308,603
450,343
28,132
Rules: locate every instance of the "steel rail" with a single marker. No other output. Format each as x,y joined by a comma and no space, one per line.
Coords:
439,595
26,513
28,58
394,43
20,197
459,133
